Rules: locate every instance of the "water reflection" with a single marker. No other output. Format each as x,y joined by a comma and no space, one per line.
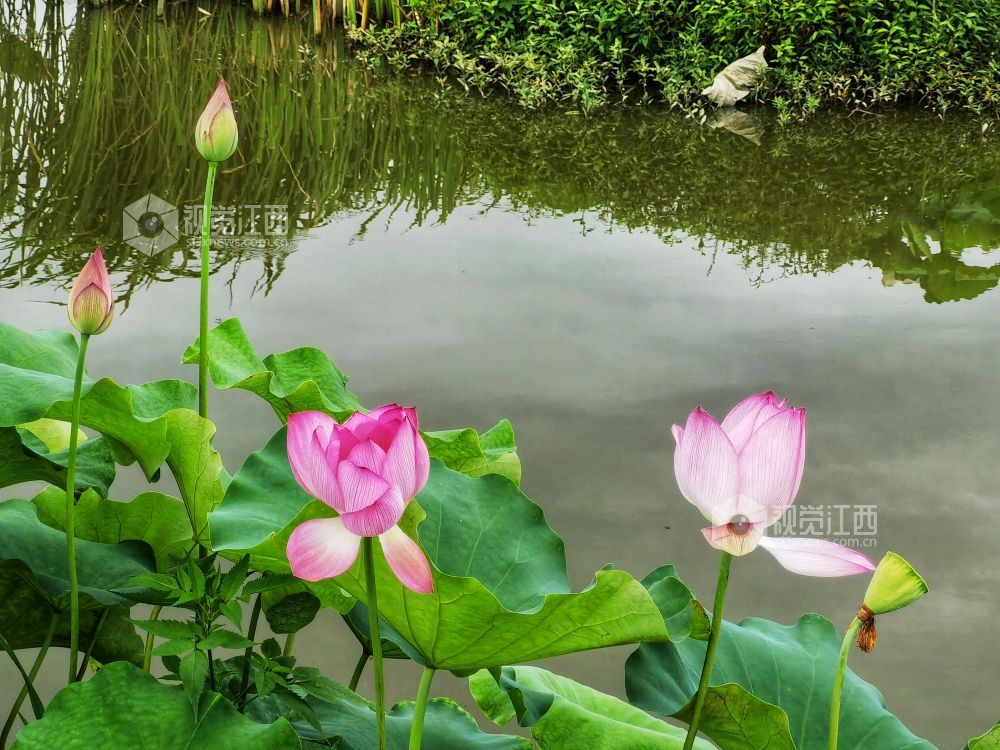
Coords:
98,112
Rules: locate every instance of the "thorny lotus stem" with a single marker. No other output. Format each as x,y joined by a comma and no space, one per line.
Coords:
289,648
376,639
417,727
358,669
32,674
248,654
74,593
147,653
713,643
95,636
838,682
206,241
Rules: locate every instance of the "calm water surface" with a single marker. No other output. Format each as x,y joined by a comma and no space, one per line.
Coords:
592,279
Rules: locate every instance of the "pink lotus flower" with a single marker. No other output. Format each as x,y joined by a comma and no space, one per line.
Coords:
367,470
743,474
91,300
216,134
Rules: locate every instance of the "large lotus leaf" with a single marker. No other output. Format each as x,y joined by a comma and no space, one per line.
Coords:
103,570
36,381
154,518
300,380
732,717
789,666
564,714
123,707
988,741
152,423
683,615
349,720
26,613
501,590
394,646
465,451
306,379
25,458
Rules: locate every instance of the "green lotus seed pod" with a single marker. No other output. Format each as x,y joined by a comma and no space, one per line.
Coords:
894,585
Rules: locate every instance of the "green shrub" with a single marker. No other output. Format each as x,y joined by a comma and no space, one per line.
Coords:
589,52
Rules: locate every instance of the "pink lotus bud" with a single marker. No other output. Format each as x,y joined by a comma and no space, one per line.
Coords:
216,134
91,301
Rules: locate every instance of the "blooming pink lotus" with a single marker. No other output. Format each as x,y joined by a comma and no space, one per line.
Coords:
367,470
91,300
744,474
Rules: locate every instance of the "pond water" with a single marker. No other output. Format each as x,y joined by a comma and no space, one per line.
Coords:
590,278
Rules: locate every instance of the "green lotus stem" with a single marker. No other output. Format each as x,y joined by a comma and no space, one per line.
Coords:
376,643
211,669
358,669
713,643
417,727
32,674
74,592
838,682
147,653
206,241
289,645
248,654
94,638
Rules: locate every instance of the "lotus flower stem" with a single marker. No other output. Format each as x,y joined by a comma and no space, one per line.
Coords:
74,429
713,643
32,674
95,636
289,648
358,669
838,682
251,634
369,563
417,727
147,654
206,241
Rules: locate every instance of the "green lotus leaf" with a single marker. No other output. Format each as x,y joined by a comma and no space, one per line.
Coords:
306,379
564,714
465,451
25,458
152,423
683,614
988,741
348,720
447,726
151,517
788,666
26,614
123,707
103,570
300,380
501,589
394,646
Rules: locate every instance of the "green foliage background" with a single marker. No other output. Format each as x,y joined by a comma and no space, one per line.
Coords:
589,52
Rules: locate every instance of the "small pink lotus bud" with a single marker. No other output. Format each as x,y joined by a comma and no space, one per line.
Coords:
216,134
91,301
